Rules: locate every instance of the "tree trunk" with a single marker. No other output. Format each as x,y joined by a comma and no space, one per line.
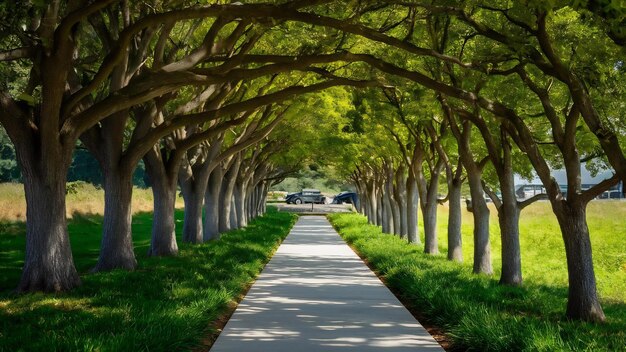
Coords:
212,205
226,196
380,214
250,199
192,226
193,189
455,251
482,247
266,188
240,204
234,217
508,217
48,264
387,216
429,192
367,205
254,206
116,251
401,201
429,213
163,242
582,300
373,219
393,204
412,205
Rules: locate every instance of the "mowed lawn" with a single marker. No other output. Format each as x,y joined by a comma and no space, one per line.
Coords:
480,315
543,251
167,304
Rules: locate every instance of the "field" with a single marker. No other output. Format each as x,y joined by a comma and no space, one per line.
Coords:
167,304
82,199
476,312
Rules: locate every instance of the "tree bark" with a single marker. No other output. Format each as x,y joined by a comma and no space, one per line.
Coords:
412,205
193,195
254,203
508,217
234,217
240,204
226,196
116,251
361,199
367,204
380,215
429,211
250,200
387,215
264,190
393,204
211,205
48,264
482,247
400,194
582,301
163,241
373,201
193,186
455,251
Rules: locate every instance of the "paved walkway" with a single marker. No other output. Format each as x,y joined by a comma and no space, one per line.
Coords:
314,208
317,295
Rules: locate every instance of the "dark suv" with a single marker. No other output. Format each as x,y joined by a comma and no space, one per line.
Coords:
306,196
345,197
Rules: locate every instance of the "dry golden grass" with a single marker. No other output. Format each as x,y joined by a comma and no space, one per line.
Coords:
87,200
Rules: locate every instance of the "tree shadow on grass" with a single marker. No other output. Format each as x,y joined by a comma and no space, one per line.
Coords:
166,304
474,310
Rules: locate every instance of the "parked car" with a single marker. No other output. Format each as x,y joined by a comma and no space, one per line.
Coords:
345,197
308,195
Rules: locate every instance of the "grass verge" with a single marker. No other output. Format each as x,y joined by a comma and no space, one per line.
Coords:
474,311
167,304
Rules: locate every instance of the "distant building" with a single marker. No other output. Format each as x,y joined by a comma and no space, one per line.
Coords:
525,191
528,188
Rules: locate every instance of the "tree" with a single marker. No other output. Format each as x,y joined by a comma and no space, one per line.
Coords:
64,101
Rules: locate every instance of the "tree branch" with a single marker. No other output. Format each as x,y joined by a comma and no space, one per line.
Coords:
18,53
523,204
598,189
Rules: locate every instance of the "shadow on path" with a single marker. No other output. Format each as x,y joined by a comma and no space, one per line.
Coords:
317,295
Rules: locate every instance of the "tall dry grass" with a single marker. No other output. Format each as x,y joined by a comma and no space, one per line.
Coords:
87,199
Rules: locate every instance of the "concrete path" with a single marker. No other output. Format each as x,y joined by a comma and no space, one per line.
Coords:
314,208
317,295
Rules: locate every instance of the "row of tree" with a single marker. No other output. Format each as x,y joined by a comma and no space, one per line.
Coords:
482,92
511,90
195,91
174,88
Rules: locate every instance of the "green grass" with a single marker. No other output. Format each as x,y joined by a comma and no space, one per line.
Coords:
167,304
478,314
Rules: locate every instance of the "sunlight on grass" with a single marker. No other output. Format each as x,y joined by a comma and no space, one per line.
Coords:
166,304
479,314
543,252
